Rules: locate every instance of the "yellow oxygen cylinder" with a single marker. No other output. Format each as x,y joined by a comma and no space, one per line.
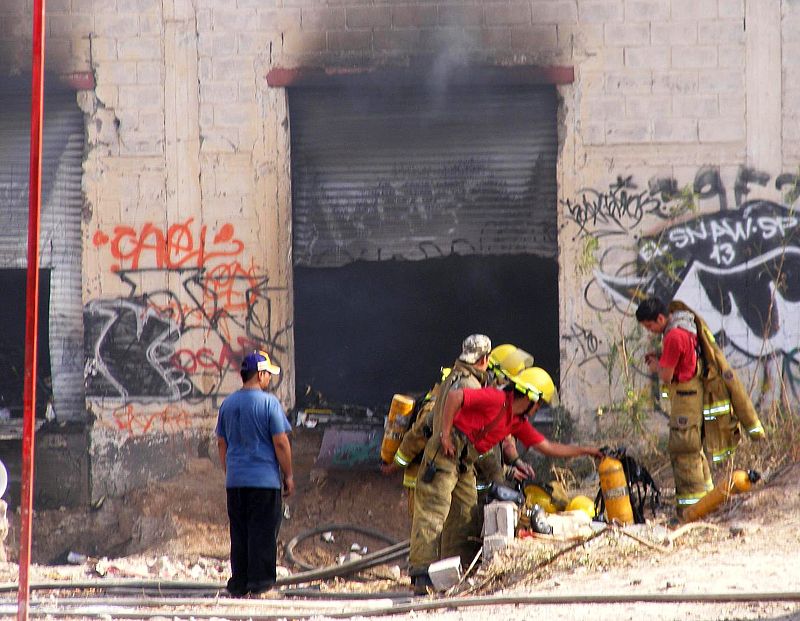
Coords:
396,425
739,481
615,491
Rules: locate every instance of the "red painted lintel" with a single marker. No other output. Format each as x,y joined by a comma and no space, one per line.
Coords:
78,80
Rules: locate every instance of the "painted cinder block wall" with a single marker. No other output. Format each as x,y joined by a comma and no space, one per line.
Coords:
186,221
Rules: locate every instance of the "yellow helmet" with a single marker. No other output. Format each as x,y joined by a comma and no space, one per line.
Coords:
537,384
535,495
582,503
509,360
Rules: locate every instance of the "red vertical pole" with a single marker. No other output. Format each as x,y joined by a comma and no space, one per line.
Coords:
31,309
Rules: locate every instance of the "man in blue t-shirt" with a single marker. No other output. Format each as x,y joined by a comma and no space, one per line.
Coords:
252,436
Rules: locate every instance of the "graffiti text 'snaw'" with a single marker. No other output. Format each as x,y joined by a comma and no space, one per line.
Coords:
739,268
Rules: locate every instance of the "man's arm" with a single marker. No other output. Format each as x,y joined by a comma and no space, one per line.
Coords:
664,370
452,404
665,374
413,442
222,447
283,451
556,449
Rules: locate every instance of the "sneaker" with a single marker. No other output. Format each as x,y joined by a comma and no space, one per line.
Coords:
235,589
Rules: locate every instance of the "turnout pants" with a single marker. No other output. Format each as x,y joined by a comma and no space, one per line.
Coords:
447,504
689,464
255,518
467,541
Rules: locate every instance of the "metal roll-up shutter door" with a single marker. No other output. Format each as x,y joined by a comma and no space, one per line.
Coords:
60,229
415,174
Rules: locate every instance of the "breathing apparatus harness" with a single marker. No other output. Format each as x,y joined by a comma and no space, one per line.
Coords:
641,485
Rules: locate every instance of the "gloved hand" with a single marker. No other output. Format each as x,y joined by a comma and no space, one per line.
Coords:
522,470
389,469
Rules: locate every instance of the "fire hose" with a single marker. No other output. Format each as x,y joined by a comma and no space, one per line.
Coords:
384,555
263,609
369,532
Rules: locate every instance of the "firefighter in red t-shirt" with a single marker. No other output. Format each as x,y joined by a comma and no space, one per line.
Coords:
471,423
679,370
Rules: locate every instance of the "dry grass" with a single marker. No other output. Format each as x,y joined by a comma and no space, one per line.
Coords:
529,561
780,446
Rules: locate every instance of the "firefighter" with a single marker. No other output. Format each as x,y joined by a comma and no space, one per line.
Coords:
470,370
497,465
504,361
470,423
680,371
727,408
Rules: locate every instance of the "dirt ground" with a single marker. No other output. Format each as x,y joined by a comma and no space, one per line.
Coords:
177,529
184,518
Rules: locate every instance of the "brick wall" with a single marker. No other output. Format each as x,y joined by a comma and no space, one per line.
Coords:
183,131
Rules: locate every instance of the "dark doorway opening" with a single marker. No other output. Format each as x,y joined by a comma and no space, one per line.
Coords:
12,344
369,329
419,216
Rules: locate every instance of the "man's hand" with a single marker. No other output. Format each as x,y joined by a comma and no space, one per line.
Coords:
288,486
522,470
651,360
448,448
389,469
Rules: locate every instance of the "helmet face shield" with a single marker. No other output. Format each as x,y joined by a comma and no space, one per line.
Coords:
507,361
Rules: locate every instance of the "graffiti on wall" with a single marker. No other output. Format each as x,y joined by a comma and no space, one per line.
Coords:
738,265
180,342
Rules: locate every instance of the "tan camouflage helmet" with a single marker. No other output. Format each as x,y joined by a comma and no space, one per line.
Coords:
475,347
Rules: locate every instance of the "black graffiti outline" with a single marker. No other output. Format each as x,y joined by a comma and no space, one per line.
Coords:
585,338
192,280
174,380
612,208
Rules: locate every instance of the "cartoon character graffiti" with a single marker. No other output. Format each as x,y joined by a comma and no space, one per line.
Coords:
739,268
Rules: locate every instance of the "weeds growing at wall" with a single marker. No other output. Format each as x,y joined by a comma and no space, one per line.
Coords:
633,416
634,397
792,192
588,258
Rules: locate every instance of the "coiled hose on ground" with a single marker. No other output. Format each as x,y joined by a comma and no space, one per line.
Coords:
369,532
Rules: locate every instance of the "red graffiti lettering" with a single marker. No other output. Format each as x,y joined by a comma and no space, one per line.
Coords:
174,248
170,419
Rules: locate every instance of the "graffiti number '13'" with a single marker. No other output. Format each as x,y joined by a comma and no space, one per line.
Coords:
723,254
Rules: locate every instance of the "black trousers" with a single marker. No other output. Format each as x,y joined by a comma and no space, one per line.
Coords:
255,518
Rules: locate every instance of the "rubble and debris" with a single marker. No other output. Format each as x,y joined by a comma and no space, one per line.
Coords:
499,523
445,573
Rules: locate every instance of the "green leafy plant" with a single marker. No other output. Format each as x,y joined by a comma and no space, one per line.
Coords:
792,193
588,258
685,201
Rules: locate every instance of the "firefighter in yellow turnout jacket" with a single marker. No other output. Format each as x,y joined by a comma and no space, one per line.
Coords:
504,361
726,403
680,370
409,453
469,371
468,424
